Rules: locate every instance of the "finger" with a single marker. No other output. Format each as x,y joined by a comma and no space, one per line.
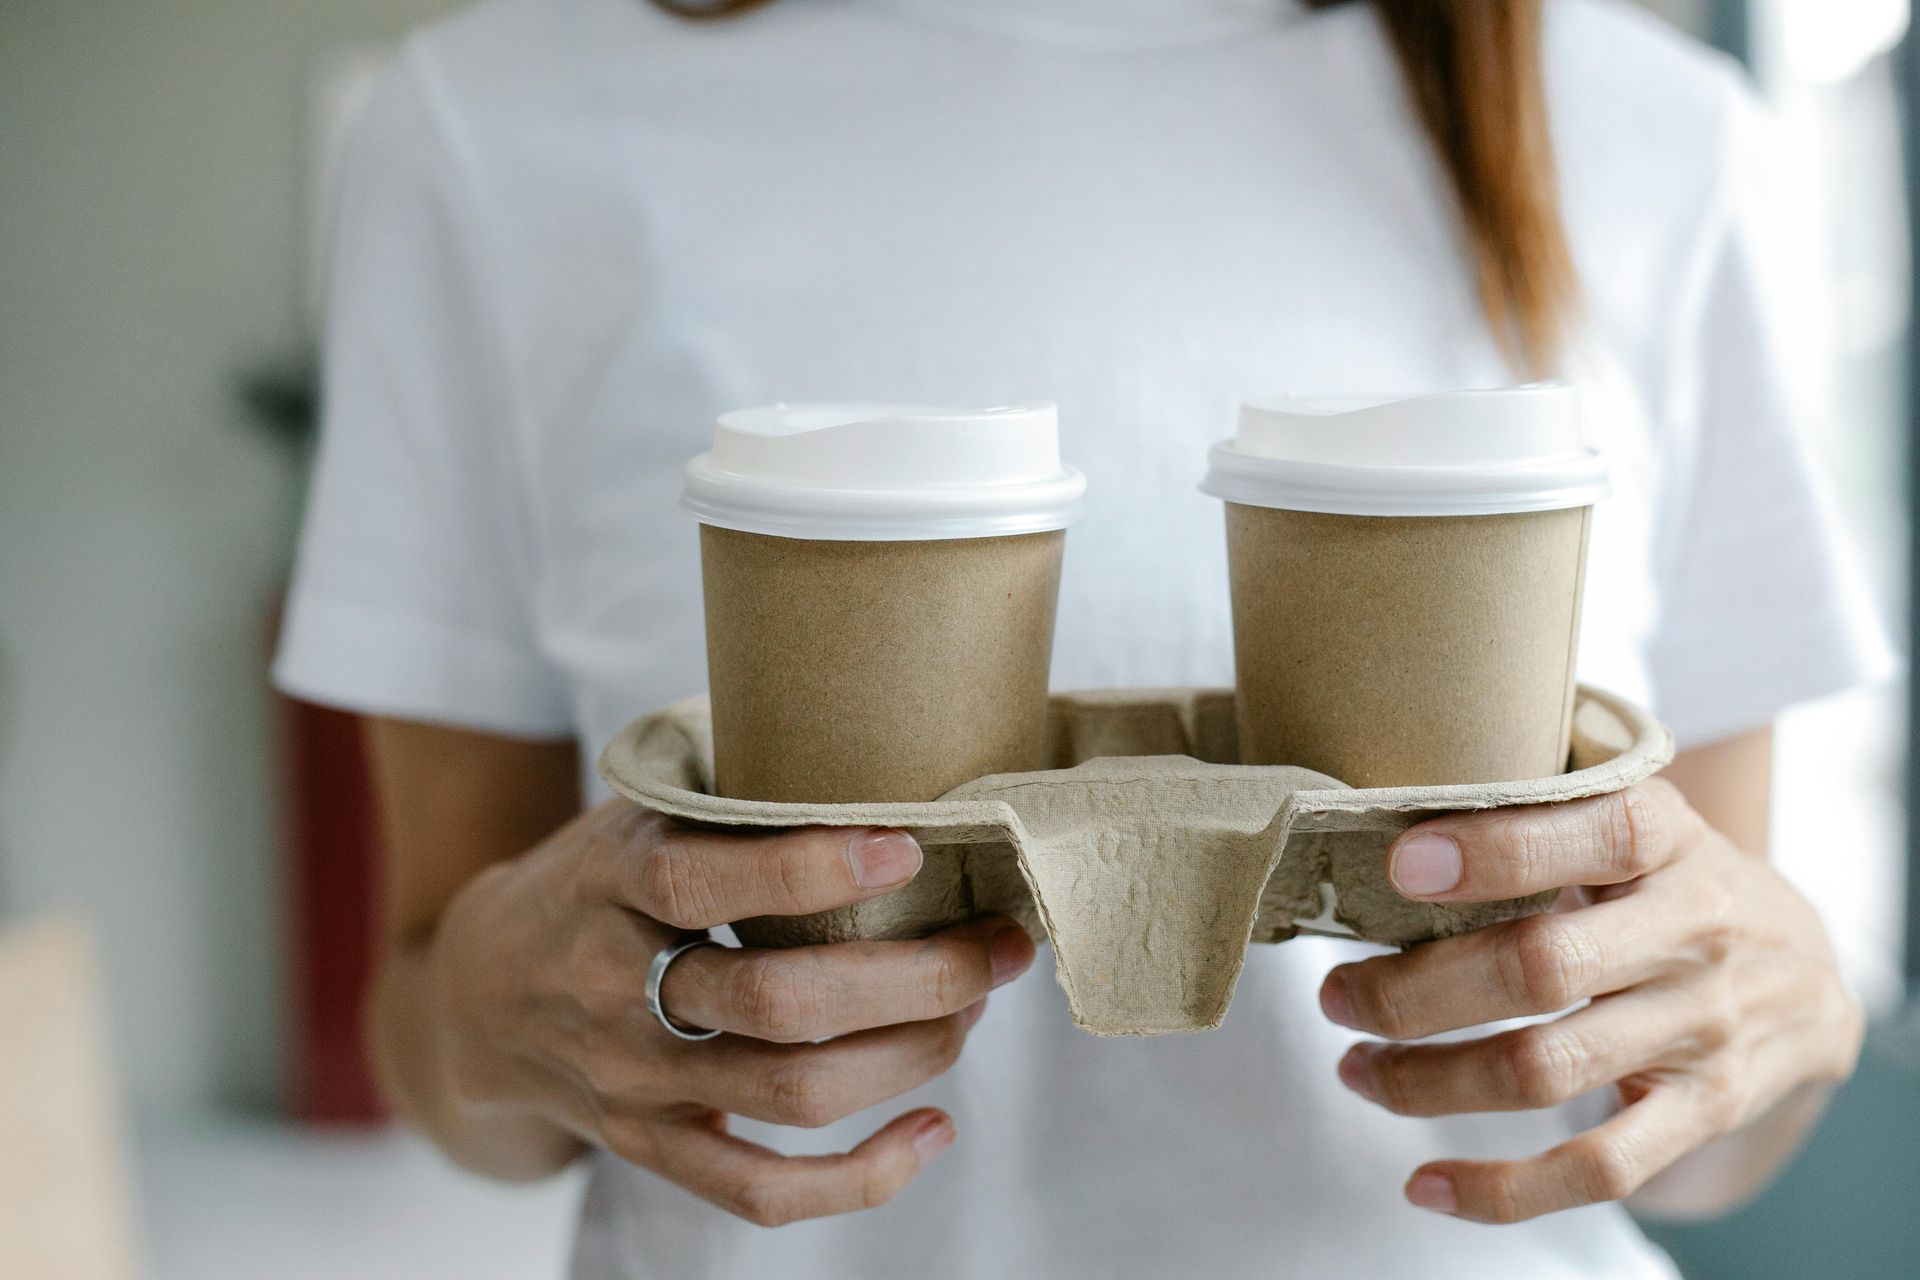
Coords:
810,993
816,1084
1608,1162
1533,1067
693,879
1510,853
770,1189
1538,964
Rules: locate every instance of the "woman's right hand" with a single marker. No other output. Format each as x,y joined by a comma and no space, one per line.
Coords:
541,963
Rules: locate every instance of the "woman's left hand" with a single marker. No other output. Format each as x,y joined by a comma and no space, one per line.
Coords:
1713,994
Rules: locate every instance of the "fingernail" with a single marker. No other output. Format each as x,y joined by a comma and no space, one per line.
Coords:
1336,1001
883,859
972,1013
1433,1191
1009,951
1356,1071
1425,864
934,1135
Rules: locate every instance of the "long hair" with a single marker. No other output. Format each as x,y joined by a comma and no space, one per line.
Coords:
1472,72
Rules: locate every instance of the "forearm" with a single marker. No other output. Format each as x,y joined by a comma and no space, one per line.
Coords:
458,809
404,1018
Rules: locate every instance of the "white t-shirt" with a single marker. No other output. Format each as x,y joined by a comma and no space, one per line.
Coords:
571,231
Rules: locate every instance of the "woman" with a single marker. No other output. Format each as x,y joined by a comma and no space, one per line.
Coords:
573,230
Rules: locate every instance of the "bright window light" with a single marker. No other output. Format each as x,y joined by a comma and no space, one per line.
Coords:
1827,41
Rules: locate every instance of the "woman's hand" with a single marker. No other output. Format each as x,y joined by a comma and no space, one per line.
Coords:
1713,995
541,961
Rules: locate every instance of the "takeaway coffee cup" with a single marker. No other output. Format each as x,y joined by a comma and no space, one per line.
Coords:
880,586
1406,580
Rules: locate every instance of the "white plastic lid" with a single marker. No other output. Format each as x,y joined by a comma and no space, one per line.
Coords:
1455,453
885,472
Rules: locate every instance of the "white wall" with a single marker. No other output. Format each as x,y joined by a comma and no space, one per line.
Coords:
152,225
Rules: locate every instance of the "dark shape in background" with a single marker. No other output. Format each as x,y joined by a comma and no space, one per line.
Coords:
329,835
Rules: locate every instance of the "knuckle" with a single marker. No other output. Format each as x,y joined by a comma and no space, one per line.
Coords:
1543,1067
1721,1090
1381,1004
1531,846
1713,1030
937,1045
1716,921
776,998
1393,1082
598,1052
1501,1197
1726,1111
674,887
608,838
600,1067
949,1044
592,966
949,980
787,871
1720,1013
877,1185
629,1138
1609,1169
1548,963
762,1203
799,1093
1635,826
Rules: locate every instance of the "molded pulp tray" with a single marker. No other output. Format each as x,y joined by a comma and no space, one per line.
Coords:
1147,858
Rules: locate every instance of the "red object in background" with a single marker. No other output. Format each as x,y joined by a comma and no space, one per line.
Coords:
333,858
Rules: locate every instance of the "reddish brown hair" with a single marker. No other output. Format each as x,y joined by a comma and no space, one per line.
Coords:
1472,71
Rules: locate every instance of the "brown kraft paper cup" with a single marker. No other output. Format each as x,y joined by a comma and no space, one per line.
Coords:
848,672
1406,578
1394,651
870,669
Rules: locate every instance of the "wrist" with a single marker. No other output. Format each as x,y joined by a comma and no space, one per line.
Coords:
462,993
481,1127
446,1076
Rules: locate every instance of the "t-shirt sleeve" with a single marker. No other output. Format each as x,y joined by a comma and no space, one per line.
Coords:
1763,602
414,586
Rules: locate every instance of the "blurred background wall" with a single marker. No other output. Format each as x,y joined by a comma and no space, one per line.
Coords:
156,160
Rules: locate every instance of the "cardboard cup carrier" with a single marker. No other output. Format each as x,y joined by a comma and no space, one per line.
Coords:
1143,852
880,584
880,597
1406,582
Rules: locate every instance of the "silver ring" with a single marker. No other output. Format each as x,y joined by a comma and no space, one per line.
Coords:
657,973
